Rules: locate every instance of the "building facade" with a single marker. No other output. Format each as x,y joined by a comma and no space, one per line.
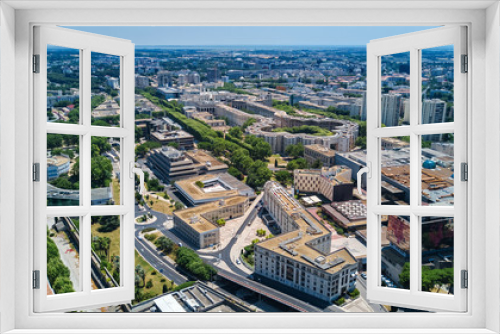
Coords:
300,257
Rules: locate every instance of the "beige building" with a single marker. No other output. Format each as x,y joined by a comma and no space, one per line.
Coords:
213,188
300,256
334,183
198,225
319,152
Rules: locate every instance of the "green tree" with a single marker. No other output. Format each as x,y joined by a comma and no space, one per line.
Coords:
236,132
317,164
258,174
221,222
165,244
283,176
295,150
101,171
299,163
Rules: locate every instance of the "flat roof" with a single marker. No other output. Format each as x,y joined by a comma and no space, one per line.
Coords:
193,216
294,244
202,157
230,186
321,149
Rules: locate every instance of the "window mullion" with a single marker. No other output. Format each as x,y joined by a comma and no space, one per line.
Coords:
415,197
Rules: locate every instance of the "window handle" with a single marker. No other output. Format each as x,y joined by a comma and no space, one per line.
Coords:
362,171
134,170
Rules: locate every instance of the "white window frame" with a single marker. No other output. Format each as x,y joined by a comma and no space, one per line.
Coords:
86,44
484,304
413,43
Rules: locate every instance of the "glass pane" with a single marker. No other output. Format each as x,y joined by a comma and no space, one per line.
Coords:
105,251
395,89
437,254
437,169
395,168
395,250
105,90
63,255
63,170
437,85
105,171
63,84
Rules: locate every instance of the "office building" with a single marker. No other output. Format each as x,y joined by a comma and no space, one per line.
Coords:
318,152
300,257
198,225
169,164
334,183
213,187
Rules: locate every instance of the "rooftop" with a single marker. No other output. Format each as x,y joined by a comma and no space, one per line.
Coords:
215,187
297,244
321,149
193,216
202,157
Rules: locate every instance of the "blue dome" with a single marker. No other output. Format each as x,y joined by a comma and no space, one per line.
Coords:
429,164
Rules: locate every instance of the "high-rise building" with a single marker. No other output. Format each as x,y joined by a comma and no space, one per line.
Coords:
164,79
363,108
193,78
391,105
213,74
433,111
406,108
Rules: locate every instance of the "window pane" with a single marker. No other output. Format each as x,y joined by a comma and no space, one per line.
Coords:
395,86
395,168
437,169
105,102
63,84
437,85
63,170
395,250
63,255
437,254
105,251
105,171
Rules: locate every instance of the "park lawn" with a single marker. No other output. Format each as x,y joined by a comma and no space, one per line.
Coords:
114,236
159,205
281,162
157,288
116,191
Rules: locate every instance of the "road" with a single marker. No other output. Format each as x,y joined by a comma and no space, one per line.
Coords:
235,274
361,286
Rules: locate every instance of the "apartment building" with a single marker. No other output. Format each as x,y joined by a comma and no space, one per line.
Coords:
334,183
317,152
198,225
300,257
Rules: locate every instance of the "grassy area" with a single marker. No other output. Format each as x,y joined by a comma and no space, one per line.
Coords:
309,129
114,247
160,205
157,288
116,191
277,157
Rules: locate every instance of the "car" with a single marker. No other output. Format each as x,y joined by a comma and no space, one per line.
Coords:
363,275
238,261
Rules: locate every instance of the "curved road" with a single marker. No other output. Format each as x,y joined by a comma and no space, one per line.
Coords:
235,274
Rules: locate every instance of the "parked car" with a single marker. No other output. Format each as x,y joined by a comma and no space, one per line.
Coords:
238,261
363,275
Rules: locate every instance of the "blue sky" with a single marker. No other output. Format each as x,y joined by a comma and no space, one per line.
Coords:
250,35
